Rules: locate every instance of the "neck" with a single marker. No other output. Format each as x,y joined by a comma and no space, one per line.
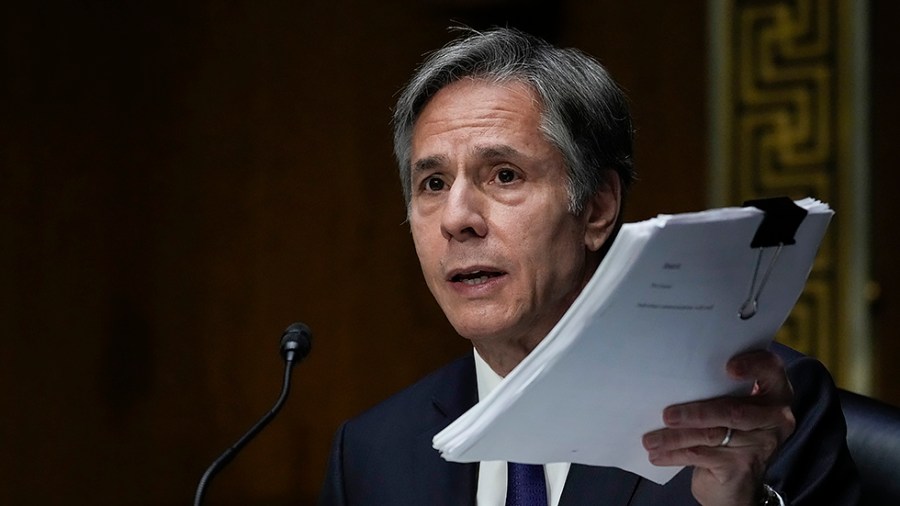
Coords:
504,357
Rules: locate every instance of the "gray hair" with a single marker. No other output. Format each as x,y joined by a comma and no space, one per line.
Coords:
584,112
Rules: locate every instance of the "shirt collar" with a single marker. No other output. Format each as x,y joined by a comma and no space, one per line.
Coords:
486,377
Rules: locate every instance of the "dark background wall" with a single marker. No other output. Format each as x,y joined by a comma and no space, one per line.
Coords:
181,180
885,130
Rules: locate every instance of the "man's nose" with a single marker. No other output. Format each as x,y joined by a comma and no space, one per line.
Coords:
463,215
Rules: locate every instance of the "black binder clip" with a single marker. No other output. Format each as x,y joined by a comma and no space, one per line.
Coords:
781,221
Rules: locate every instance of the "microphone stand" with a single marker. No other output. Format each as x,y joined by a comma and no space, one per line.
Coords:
295,344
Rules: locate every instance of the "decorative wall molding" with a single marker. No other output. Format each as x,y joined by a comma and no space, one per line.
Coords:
788,118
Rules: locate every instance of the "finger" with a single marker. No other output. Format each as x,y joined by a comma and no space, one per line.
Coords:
665,440
735,412
725,463
766,368
669,440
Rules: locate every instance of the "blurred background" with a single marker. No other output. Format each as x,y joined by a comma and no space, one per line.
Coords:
179,181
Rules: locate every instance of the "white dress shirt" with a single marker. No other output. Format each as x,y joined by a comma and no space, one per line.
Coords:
492,474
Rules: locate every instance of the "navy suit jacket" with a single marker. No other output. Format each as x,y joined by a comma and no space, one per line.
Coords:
384,456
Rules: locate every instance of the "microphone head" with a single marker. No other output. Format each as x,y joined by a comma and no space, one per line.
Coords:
296,342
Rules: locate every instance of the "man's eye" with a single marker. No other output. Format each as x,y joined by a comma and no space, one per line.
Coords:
506,176
434,184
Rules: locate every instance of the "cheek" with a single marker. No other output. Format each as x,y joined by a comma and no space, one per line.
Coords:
426,251
563,243
418,230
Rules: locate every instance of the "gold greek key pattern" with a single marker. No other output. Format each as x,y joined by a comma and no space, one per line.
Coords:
784,124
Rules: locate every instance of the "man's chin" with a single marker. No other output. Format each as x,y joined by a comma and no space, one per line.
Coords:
478,332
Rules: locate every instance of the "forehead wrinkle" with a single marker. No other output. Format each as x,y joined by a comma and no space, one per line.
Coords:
495,151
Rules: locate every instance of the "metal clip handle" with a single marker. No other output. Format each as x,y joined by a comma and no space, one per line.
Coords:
751,305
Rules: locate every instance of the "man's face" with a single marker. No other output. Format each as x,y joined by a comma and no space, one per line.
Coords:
489,214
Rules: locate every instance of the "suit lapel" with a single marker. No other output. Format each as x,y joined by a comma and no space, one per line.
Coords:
445,482
591,485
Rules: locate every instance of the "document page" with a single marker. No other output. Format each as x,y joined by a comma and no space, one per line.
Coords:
655,326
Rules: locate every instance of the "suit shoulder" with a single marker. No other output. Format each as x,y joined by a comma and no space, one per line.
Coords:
451,390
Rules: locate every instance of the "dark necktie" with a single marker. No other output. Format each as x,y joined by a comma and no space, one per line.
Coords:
525,485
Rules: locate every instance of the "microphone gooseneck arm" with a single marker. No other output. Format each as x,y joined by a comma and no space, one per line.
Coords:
295,345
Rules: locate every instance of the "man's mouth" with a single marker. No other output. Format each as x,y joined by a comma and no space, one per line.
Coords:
475,277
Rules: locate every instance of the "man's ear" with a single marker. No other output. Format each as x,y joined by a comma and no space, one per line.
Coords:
601,212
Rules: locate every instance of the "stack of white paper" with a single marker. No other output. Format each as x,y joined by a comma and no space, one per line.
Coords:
654,327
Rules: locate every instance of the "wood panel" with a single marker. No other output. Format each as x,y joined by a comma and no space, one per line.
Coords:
180,181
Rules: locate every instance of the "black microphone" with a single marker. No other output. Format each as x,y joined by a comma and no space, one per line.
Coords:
295,345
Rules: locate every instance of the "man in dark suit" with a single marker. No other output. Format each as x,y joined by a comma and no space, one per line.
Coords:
515,158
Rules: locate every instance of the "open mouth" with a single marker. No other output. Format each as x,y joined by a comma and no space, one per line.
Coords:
475,277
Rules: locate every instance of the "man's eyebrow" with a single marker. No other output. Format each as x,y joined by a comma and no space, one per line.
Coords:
490,152
429,163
